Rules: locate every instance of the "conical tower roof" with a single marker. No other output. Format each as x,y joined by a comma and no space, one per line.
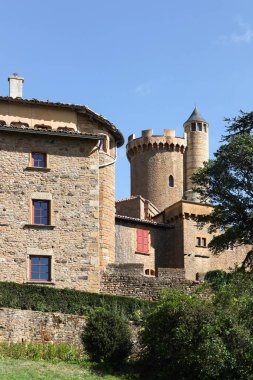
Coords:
195,116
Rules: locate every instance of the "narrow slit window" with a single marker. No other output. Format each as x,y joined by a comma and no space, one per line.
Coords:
171,181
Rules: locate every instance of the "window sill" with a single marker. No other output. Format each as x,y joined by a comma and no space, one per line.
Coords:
33,168
40,226
200,246
142,253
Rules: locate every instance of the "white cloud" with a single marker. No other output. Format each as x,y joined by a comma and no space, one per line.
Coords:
143,89
244,36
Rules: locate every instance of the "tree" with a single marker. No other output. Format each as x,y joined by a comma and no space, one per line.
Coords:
226,182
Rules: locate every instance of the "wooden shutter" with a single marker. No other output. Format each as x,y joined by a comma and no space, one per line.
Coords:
142,240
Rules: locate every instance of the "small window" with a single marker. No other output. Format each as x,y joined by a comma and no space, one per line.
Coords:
149,272
199,127
142,241
171,181
40,268
39,160
41,212
200,242
193,127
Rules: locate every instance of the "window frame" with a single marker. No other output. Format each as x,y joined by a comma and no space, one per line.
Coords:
30,272
201,242
48,216
32,160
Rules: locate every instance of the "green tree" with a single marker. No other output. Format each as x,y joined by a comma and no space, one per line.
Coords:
226,182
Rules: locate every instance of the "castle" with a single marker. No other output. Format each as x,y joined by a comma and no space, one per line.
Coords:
57,202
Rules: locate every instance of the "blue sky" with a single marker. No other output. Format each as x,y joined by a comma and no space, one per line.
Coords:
142,64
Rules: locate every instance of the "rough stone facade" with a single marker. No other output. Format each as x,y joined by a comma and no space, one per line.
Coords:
153,160
128,280
77,184
158,240
39,327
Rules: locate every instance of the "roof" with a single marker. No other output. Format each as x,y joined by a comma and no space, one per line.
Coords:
137,197
195,116
43,131
143,221
76,107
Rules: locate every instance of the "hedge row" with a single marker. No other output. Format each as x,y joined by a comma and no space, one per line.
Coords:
43,298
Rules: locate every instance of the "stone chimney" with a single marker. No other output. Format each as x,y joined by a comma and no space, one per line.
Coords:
15,86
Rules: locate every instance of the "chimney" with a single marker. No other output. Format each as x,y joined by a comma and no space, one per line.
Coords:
15,86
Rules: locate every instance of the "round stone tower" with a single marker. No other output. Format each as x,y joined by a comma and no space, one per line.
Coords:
157,167
196,130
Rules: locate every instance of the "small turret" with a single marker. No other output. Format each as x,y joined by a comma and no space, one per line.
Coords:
196,130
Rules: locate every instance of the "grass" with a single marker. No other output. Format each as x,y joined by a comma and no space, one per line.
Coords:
23,369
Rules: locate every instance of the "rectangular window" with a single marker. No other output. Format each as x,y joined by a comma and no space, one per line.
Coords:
200,242
39,160
41,212
193,127
199,127
142,240
40,268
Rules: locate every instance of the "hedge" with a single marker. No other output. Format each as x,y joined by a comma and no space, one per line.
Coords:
44,298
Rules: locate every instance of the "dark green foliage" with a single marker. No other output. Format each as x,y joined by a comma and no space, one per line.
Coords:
216,278
107,337
227,183
187,338
44,298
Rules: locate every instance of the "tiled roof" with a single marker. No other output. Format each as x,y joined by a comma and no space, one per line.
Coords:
45,131
143,221
77,107
195,116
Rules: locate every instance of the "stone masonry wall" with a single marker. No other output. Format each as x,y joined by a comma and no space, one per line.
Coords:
71,184
35,326
128,280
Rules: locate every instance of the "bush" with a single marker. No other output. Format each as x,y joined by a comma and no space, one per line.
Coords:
107,338
44,298
216,278
187,338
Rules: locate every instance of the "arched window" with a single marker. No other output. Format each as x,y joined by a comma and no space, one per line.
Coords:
171,181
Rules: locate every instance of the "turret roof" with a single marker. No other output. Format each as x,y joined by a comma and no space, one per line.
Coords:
195,116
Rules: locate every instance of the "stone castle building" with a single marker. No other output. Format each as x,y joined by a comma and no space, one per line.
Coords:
57,198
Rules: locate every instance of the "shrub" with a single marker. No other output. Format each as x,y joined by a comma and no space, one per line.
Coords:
43,298
216,278
107,337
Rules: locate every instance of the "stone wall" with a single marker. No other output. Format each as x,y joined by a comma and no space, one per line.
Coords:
153,160
160,236
35,326
71,184
128,280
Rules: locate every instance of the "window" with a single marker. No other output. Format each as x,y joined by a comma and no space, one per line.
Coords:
171,181
39,160
40,268
149,272
199,127
41,212
193,127
142,241
200,242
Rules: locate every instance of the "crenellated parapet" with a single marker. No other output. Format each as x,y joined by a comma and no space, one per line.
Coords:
166,142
